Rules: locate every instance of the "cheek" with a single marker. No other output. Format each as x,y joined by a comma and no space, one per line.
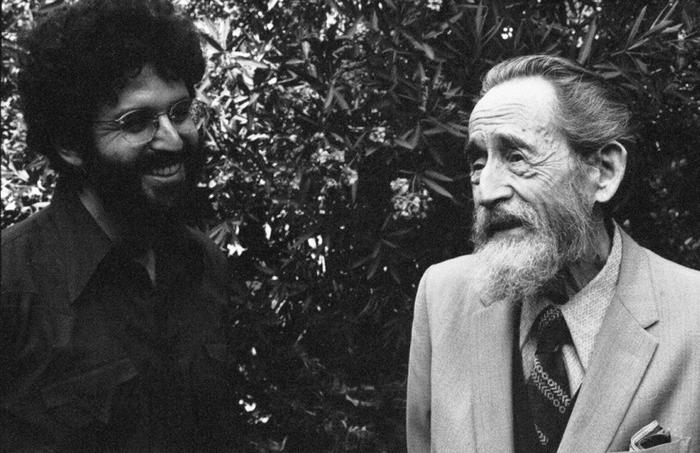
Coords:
190,137
116,151
533,185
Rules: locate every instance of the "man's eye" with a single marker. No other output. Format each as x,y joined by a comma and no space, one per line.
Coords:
515,157
478,165
135,121
180,112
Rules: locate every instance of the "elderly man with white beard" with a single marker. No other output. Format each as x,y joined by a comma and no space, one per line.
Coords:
559,333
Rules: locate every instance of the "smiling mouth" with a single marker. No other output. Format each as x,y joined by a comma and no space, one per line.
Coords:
165,166
166,171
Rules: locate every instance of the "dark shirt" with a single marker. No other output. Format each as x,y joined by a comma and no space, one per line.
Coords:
96,357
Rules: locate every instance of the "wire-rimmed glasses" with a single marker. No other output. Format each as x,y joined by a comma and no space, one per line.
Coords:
139,126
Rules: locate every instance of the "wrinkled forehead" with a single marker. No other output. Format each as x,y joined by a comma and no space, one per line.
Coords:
524,105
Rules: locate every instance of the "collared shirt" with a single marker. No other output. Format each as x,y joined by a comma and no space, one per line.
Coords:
583,312
93,353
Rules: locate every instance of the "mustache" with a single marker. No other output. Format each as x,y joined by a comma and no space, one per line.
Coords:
500,219
187,155
488,221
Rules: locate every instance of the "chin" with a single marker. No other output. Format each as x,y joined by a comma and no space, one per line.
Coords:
163,195
515,266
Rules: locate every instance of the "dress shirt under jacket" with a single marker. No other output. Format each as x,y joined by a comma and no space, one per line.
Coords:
583,312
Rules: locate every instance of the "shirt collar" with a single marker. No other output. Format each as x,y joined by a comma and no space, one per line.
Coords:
82,244
584,312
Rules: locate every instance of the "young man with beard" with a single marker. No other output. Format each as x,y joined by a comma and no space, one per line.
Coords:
111,306
559,333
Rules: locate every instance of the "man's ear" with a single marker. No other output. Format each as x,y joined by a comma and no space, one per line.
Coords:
611,161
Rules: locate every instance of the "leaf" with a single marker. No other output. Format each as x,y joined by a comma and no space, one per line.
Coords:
665,14
329,98
389,244
429,52
437,188
585,51
373,268
434,131
660,26
341,100
415,137
399,233
451,128
212,41
359,262
395,274
479,20
301,239
436,155
437,176
374,21
635,27
402,143
672,29
294,62
643,67
409,142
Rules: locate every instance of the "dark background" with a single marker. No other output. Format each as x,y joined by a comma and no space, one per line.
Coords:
336,175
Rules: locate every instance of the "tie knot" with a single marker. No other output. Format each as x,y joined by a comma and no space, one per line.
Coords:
552,330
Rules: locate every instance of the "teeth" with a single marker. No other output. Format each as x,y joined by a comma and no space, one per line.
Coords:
167,171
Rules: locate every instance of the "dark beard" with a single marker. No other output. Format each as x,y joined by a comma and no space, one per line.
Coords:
515,269
119,189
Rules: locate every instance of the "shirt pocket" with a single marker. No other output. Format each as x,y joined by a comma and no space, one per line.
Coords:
681,445
78,400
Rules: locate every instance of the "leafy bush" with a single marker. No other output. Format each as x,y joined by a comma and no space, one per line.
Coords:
336,176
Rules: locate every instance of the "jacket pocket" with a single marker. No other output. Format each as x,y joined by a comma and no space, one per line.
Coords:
681,445
79,399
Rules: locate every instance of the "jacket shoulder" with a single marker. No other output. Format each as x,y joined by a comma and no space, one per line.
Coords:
16,234
676,285
21,246
680,274
450,281
452,270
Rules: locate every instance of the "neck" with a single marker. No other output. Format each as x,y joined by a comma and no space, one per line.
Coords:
135,230
581,272
117,230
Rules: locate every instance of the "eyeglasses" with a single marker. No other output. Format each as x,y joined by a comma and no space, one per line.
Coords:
138,127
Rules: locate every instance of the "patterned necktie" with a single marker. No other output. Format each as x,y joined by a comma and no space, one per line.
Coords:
548,386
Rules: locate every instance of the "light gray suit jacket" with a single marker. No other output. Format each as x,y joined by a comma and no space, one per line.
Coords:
645,364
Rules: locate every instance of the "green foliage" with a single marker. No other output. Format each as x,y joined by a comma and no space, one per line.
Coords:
336,176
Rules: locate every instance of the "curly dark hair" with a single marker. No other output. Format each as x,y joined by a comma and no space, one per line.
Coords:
80,56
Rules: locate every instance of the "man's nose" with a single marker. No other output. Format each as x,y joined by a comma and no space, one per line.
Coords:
166,137
492,187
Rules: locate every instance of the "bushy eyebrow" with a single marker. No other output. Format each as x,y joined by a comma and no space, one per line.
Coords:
510,141
505,141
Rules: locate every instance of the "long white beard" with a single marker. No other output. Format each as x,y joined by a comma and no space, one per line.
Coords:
519,266
513,269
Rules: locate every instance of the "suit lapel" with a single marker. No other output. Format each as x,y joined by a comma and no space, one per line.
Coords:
622,353
491,330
